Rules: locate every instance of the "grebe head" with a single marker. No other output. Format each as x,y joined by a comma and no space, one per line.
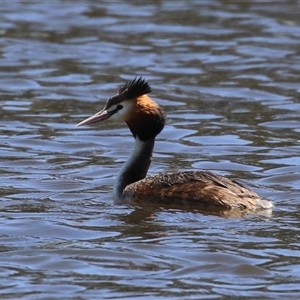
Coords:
132,105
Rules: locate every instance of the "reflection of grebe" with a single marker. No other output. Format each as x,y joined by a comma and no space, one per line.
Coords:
146,120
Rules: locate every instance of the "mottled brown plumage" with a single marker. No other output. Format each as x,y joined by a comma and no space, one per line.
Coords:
194,188
146,119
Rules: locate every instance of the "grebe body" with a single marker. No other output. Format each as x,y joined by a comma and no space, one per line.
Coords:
146,120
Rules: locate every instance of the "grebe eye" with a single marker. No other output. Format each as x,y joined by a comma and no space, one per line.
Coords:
119,106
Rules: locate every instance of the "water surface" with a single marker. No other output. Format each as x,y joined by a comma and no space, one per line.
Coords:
227,75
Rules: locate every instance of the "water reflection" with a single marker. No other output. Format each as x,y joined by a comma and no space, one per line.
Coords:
227,75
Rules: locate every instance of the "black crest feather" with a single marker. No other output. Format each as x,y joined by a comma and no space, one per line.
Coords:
135,88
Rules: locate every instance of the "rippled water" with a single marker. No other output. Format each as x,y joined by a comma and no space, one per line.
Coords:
227,75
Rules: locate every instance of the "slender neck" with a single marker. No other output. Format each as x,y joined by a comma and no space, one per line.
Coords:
135,168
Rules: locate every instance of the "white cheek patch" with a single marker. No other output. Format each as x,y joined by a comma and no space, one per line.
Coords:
123,113
117,116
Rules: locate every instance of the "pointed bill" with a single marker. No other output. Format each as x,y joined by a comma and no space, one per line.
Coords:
98,117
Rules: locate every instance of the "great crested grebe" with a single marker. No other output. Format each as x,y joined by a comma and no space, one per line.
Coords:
146,120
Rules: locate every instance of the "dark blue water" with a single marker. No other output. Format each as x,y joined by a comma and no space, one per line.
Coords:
227,75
